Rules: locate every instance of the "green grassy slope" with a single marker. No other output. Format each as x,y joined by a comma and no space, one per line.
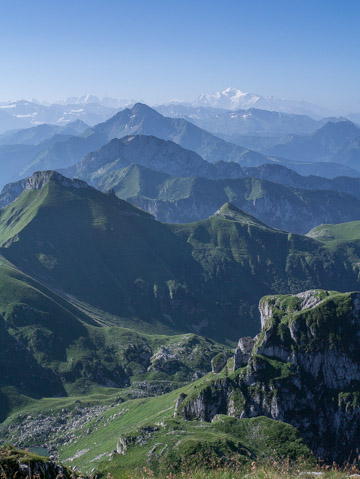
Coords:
181,200
148,424
104,254
336,233
51,348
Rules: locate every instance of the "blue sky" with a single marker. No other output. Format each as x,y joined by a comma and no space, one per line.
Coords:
156,50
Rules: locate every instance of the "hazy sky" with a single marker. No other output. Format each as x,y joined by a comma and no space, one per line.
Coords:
158,50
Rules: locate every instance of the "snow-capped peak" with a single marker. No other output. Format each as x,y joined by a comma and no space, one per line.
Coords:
235,99
230,98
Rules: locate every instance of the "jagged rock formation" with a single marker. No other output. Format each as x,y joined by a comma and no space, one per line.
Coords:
304,369
40,178
35,182
243,351
142,436
218,362
179,401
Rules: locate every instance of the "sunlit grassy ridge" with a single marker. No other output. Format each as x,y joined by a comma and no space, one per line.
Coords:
336,234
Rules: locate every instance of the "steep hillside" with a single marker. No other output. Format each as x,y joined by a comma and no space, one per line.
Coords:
53,346
102,253
181,200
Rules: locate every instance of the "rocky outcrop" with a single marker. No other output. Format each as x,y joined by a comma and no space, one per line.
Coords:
22,464
243,351
35,182
140,437
187,355
211,401
179,401
40,178
304,370
218,362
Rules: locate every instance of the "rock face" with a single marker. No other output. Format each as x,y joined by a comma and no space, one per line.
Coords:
218,362
304,369
243,351
40,178
35,182
179,401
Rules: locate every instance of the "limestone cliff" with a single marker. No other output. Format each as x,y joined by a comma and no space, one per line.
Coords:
304,369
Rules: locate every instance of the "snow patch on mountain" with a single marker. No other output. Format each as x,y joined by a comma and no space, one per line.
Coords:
235,99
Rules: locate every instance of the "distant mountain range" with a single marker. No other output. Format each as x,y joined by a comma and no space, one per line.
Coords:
53,147
234,99
143,120
106,101
21,161
37,134
335,141
233,124
23,114
177,186
92,110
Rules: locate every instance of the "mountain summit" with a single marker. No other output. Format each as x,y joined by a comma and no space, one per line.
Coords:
235,99
230,98
231,212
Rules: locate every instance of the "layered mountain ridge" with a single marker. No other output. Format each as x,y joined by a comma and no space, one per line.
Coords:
156,186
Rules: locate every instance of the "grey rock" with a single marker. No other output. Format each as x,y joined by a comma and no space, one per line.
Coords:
243,351
178,403
218,362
